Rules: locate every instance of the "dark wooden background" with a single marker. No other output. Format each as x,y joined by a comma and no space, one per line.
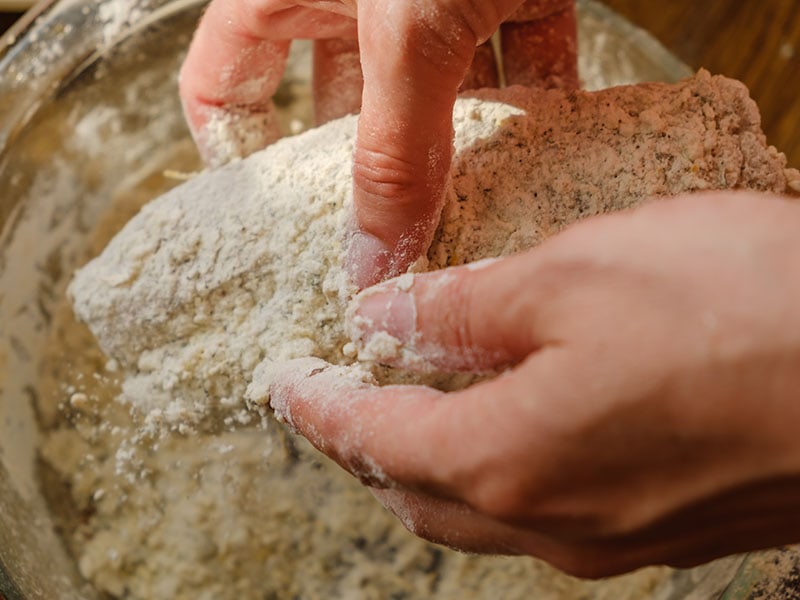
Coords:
757,41
6,19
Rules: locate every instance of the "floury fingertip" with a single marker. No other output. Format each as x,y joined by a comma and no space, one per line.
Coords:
368,259
285,385
382,322
274,384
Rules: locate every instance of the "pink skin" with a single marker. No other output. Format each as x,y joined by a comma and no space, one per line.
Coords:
414,57
649,407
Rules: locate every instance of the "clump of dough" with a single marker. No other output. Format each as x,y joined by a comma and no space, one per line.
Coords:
243,265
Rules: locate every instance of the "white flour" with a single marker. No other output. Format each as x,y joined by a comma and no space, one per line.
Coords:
244,515
242,265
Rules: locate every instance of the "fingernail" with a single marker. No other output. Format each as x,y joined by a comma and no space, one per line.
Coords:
368,259
385,309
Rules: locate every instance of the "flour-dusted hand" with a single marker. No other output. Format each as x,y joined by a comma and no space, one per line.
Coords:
415,55
650,406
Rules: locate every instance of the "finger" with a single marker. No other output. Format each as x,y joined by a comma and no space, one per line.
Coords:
451,524
539,45
337,79
414,436
483,70
408,443
753,516
678,541
334,410
449,320
234,65
457,526
413,63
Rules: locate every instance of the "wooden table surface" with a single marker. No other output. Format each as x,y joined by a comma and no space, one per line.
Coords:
756,41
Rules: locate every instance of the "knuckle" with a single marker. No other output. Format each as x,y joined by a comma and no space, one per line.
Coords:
394,199
253,15
478,17
447,36
384,175
491,483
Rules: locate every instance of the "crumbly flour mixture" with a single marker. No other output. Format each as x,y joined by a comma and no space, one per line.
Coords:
241,267
249,514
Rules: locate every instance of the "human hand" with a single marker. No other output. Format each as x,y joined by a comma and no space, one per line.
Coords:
414,56
650,408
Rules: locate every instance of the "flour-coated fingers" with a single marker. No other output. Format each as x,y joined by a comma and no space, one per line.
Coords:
234,66
473,318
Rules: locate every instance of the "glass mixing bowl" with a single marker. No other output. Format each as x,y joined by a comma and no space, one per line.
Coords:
88,100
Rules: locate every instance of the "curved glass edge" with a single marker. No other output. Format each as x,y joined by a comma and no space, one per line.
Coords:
21,25
54,42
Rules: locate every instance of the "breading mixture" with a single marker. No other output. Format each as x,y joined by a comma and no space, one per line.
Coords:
241,267
244,264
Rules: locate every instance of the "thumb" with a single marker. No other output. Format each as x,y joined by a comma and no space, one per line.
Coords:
478,317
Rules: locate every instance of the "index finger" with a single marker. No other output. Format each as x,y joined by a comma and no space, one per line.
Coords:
414,57
362,427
